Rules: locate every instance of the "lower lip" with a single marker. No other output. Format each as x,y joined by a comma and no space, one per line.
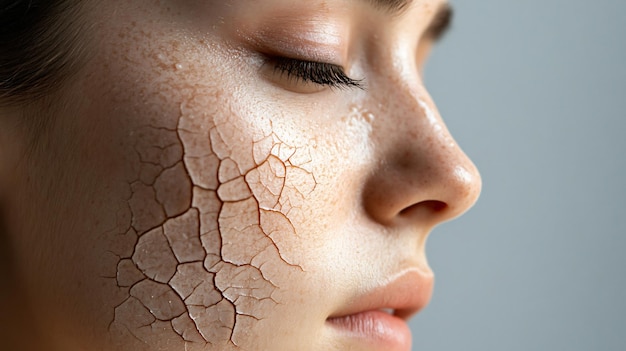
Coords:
378,328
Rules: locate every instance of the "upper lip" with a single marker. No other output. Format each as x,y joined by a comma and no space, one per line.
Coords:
405,293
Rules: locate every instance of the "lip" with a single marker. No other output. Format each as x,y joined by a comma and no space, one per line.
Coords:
379,317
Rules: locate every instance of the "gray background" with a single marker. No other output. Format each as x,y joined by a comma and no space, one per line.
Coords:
535,92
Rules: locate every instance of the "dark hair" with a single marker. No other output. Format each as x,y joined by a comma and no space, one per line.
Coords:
39,47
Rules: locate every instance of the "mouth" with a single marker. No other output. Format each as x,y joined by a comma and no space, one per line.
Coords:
376,328
378,319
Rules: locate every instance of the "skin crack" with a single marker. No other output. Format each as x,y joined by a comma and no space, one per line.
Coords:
206,227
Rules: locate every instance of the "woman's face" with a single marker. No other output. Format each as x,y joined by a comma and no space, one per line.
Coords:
239,175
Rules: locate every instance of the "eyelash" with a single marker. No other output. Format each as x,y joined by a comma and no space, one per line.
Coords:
325,74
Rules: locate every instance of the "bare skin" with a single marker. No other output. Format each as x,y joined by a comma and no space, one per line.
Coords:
189,197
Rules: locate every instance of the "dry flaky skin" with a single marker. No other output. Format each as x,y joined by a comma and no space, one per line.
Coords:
206,215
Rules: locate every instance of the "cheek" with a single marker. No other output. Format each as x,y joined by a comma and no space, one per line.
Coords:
208,240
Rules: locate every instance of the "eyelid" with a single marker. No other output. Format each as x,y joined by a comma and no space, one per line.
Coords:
308,53
312,38
307,72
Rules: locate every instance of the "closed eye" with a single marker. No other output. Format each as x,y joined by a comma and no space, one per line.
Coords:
320,73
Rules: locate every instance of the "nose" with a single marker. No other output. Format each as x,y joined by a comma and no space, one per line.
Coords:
422,175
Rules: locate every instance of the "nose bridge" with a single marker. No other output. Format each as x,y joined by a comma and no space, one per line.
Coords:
424,167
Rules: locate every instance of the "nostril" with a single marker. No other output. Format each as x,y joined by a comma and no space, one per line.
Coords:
427,207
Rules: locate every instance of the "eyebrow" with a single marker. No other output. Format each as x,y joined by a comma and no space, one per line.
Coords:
393,6
439,25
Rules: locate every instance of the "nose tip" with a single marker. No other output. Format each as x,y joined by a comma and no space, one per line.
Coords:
429,191
425,177
470,183
458,190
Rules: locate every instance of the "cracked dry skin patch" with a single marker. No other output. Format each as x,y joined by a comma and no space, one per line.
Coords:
207,216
